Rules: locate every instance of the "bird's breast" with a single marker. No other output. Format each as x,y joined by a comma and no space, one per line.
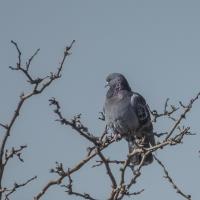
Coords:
121,114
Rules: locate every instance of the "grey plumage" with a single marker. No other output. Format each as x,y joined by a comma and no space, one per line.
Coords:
127,114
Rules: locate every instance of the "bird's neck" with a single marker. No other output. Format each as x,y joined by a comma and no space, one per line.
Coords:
114,91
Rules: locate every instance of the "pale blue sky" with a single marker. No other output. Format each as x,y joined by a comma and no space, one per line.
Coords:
155,44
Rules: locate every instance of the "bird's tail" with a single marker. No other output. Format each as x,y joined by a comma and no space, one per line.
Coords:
136,143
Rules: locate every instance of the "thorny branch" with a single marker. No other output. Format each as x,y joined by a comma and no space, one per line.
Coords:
108,169
70,190
166,112
14,152
17,186
168,177
100,162
75,124
186,108
39,85
121,187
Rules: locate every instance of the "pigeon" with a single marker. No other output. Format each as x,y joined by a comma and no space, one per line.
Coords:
127,114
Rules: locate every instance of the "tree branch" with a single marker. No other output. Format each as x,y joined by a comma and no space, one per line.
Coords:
39,85
168,177
108,169
70,191
17,186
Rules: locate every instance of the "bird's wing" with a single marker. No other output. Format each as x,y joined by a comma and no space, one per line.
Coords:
141,108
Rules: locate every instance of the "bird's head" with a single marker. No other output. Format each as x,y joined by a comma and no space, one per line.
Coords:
116,82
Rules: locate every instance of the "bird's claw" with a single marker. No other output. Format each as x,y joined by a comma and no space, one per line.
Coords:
116,137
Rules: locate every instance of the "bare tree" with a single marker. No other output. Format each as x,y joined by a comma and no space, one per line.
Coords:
39,84
121,186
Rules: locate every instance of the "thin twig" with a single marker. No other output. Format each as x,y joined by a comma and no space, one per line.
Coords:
168,177
75,123
70,171
30,59
183,115
70,191
16,152
38,87
17,186
108,169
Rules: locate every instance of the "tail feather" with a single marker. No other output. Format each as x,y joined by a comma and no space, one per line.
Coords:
146,142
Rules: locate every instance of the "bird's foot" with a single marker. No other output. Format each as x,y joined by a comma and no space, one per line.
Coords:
116,137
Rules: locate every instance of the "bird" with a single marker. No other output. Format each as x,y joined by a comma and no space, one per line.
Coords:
127,114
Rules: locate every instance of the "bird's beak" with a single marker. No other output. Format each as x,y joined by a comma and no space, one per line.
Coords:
106,85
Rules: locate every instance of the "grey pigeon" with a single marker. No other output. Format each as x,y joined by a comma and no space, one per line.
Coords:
127,114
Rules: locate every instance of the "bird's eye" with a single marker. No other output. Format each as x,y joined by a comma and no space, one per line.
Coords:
107,84
118,80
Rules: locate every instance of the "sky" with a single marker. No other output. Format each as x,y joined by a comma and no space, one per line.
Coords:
155,44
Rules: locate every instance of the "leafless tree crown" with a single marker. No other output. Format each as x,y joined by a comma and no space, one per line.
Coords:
121,186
